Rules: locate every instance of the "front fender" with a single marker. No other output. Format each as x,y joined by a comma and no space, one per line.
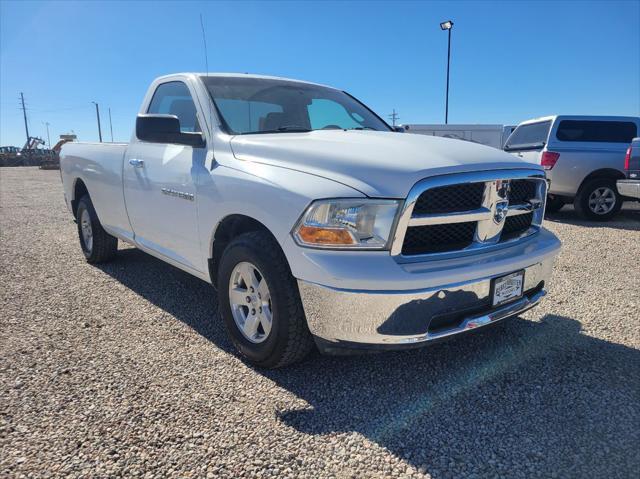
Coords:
273,196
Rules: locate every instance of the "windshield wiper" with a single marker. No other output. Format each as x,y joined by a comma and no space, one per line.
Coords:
363,128
282,129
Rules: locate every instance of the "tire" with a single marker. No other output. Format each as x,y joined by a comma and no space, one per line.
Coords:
589,193
554,204
288,339
97,245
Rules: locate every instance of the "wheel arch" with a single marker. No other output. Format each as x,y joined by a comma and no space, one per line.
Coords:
79,190
609,173
226,230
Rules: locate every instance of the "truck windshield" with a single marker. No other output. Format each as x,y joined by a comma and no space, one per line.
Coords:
529,136
262,105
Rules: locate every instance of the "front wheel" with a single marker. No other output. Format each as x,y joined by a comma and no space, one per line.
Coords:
259,302
598,199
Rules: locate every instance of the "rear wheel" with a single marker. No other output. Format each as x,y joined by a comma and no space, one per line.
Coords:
97,245
259,301
598,199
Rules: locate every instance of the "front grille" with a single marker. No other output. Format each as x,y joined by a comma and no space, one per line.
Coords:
521,191
449,214
446,199
438,238
515,226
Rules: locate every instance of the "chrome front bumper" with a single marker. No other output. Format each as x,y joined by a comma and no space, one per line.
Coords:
398,319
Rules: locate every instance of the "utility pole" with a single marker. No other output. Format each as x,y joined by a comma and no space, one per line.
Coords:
393,117
48,138
110,125
24,113
98,117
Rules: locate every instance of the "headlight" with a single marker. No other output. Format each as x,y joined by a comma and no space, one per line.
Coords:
353,223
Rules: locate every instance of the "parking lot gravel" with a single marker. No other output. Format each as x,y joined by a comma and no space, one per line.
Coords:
124,370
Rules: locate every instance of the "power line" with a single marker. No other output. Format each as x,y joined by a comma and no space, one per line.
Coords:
54,110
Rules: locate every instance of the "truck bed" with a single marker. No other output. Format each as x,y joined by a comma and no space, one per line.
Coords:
100,167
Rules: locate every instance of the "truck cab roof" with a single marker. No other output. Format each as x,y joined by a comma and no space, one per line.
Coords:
238,75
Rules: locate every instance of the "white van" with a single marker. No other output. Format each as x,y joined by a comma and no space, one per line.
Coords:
490,135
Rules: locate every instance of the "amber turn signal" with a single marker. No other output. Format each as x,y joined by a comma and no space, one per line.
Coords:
324,236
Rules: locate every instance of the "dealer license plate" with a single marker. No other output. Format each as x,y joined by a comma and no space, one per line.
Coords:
507,288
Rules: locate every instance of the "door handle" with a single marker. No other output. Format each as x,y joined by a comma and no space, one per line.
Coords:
136,163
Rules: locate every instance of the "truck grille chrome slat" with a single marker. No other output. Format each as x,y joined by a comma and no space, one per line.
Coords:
456,213
453,217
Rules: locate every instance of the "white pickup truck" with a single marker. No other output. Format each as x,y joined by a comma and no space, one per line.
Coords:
316,221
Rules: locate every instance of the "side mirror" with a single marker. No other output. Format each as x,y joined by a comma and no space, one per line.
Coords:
399,129
165,129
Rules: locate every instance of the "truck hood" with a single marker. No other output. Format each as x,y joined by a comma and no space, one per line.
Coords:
379,164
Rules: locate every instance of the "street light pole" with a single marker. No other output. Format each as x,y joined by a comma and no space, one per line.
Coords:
110,125
448,25
98,117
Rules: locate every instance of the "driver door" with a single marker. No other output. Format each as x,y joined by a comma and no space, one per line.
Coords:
159,184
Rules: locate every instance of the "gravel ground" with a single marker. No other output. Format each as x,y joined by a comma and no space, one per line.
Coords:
122,370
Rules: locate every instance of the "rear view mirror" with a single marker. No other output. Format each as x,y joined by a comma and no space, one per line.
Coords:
165,129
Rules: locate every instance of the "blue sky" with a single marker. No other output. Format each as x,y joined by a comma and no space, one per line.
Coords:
511,60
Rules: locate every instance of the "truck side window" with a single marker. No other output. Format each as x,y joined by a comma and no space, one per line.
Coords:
173,98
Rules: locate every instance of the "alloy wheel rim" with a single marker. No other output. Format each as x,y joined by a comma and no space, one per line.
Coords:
602,200
87,232
250,301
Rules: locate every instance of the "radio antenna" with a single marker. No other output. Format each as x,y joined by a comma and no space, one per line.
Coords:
204,42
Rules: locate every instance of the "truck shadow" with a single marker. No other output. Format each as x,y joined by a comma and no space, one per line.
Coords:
557,396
